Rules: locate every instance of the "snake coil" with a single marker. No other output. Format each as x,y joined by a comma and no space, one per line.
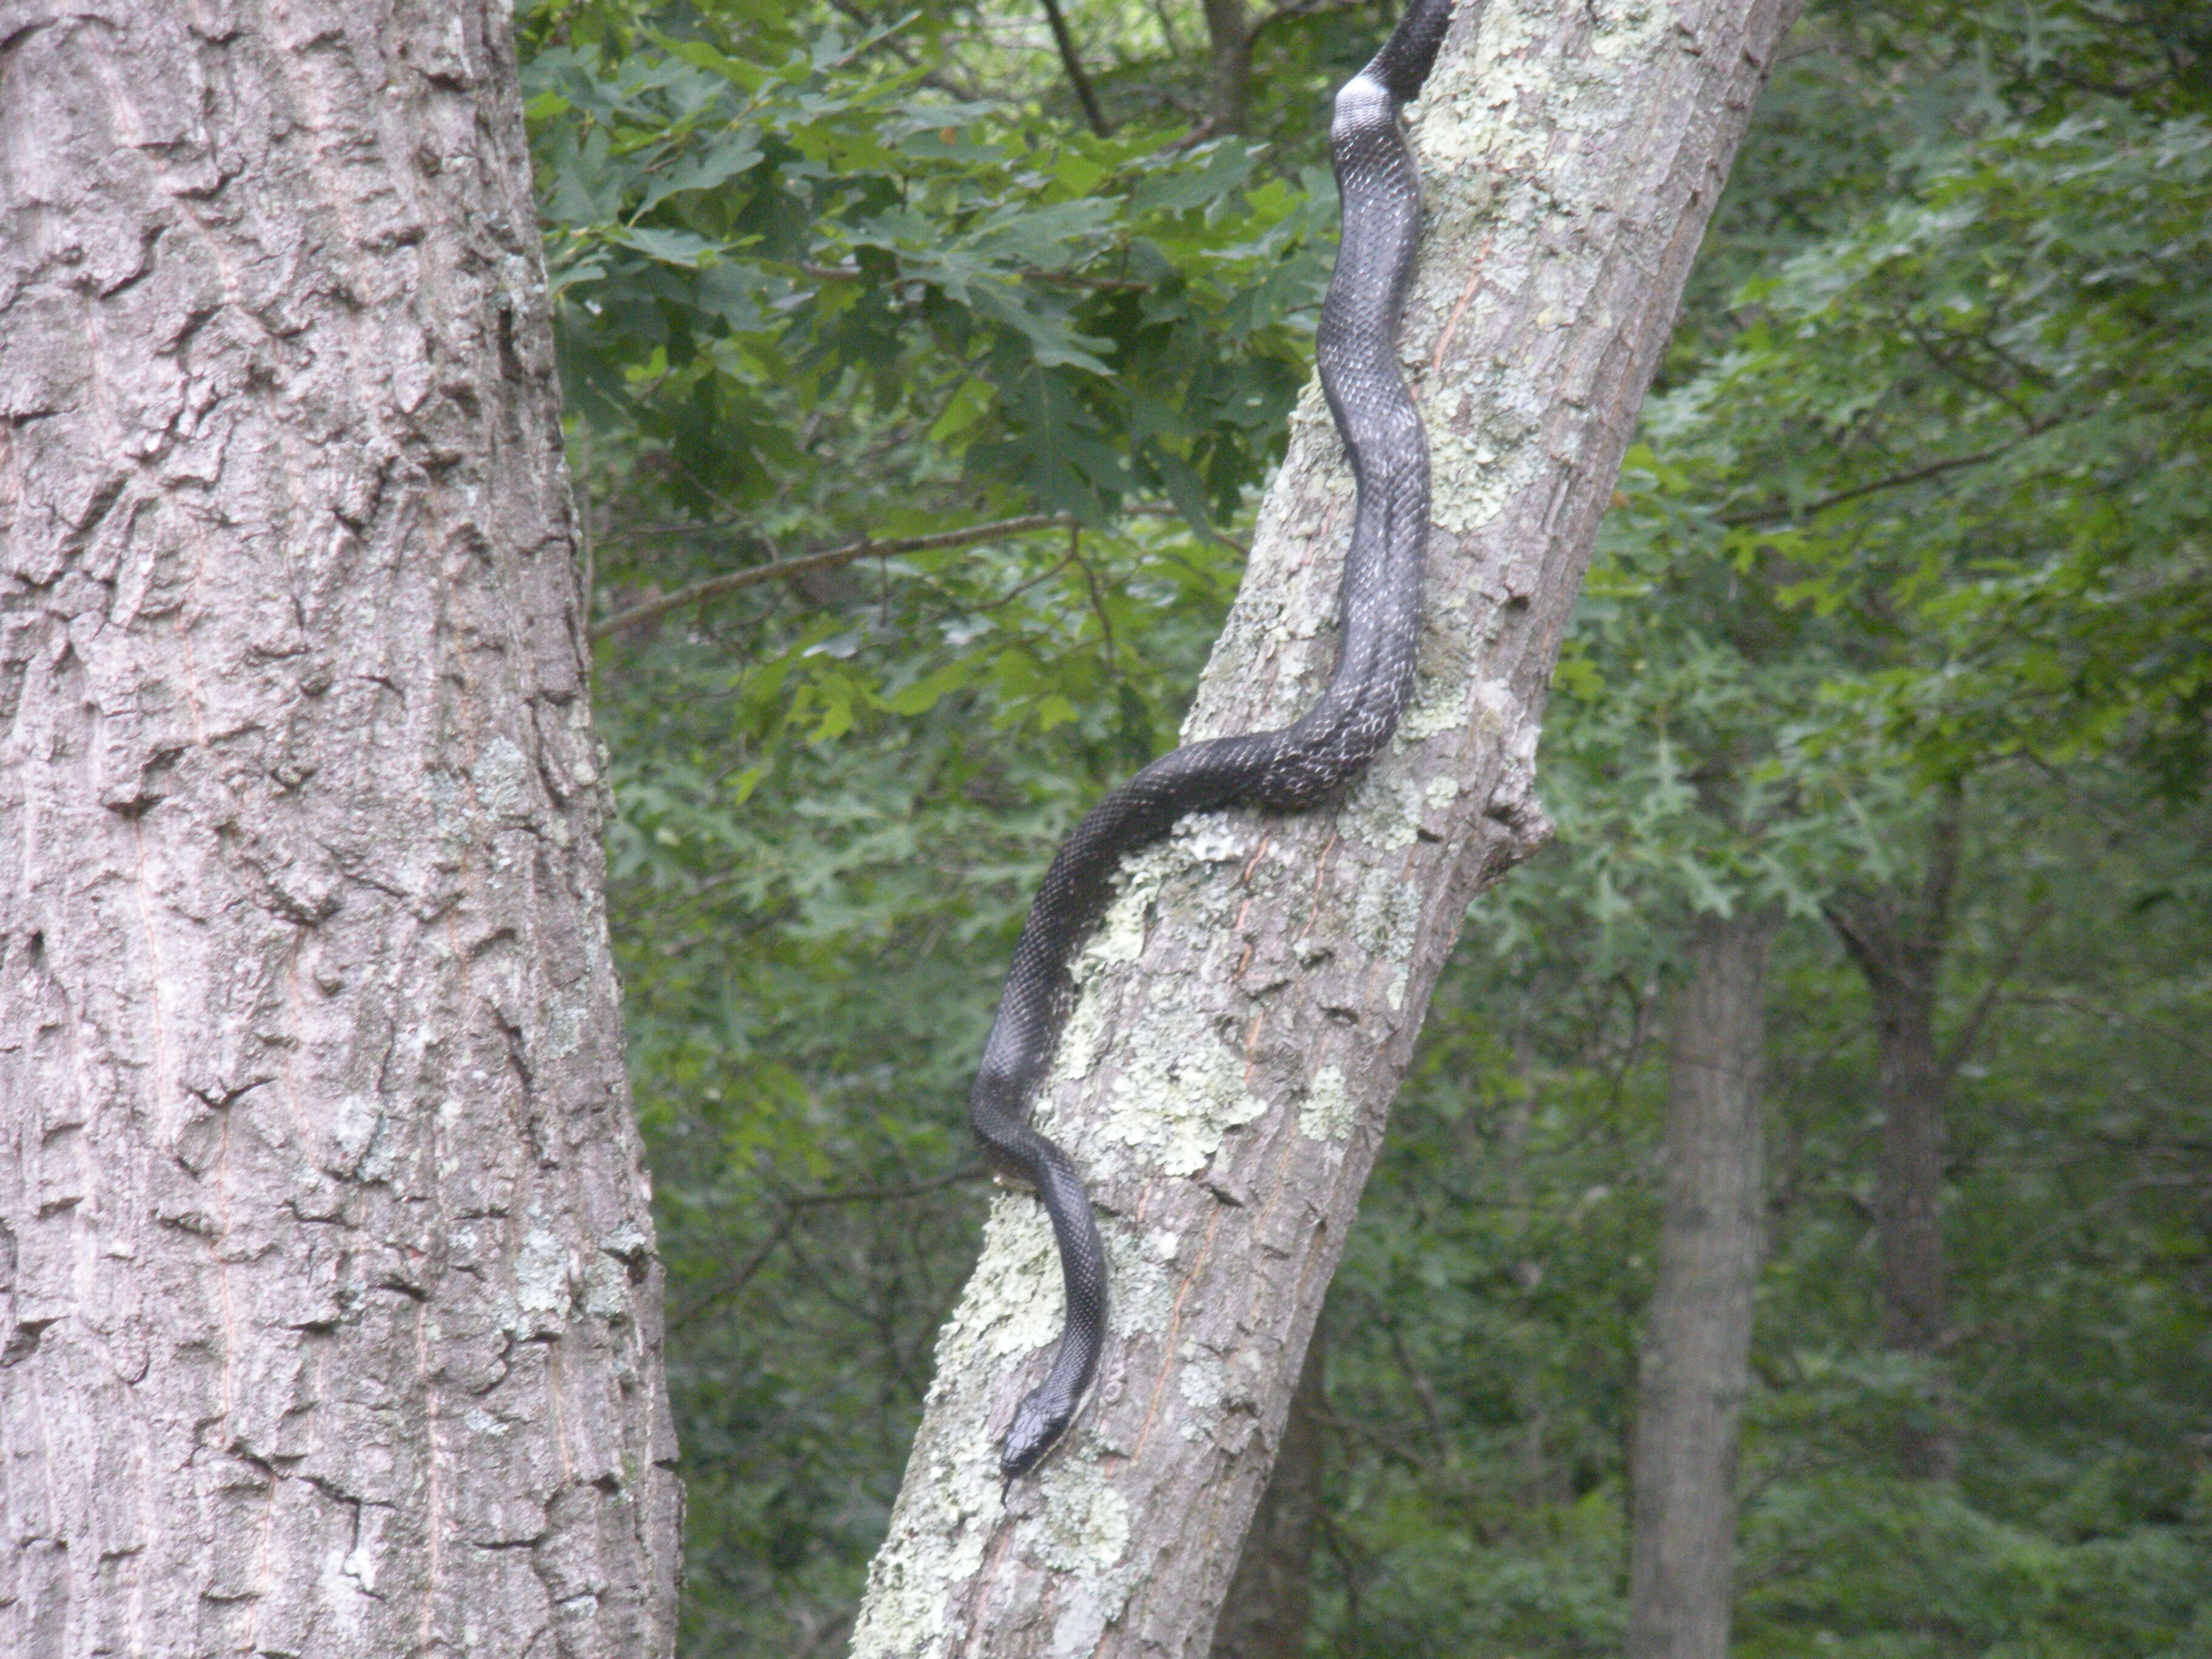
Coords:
1298,766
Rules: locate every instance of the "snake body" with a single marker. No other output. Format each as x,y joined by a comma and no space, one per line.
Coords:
1296,766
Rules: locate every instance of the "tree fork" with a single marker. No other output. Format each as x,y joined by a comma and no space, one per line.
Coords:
1250,1001
331,1314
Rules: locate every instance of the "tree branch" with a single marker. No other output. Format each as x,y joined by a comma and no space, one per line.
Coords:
829,559
1027,273
1073,64
1962,1043
797,1205
1898,480
1258,1000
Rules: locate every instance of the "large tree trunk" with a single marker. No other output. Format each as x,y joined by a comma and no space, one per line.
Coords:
1264,1615
1697,1347
332,1316
1897,939
1250,1001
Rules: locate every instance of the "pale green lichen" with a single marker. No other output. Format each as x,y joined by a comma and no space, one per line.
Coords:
1013,1303
546,1273
501,776
939,1541
1180,1090
606,1290
1328,1113
1383,811
1477,469
953,1498
1093,1599
1221,1393
1395,992
1085,1535
1179,1094
1201,1385
564,1031
1086,1521
1441,681
1385,915
1208,838
360,1150
1628,31
1143,1283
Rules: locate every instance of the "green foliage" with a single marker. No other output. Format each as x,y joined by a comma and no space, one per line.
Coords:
1976,418
1483,1332
813,292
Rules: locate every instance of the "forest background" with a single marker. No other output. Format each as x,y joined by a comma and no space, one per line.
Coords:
924,367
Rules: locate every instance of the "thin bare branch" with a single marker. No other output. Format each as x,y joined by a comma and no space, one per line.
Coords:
1027,273
1073,64
797,1205
829,559
1897,481
1969,1033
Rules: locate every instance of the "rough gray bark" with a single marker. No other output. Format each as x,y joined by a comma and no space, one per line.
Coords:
329,1311
1697,1347
1264,1615
1250,1001
1896,939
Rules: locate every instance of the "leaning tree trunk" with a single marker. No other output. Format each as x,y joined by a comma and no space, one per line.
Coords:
1697,1350
1250,1001
329,1312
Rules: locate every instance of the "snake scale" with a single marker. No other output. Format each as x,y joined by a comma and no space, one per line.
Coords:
1289,769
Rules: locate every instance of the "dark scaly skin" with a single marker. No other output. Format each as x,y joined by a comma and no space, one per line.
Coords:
1300,765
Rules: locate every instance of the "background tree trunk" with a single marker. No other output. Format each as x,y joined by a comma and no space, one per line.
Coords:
1264,1615
1697,1347
1251,1002
331,1315
1897,941
1229,55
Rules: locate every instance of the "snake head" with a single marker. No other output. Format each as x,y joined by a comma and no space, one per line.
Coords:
1035,1427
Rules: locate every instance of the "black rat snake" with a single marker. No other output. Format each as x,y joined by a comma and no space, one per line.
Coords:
1297,766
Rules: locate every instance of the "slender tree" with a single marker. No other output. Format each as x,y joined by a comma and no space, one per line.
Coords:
332,1318
1229,35
1896,939
1697,1349
1250,1003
